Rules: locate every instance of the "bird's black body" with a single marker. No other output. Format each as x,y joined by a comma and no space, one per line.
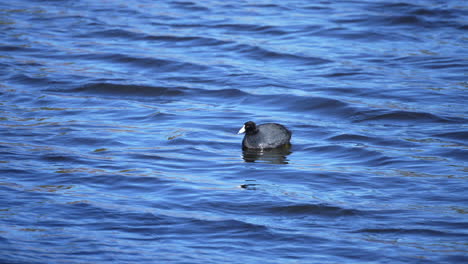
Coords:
265,136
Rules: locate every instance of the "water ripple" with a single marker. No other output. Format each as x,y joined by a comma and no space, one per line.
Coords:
118,125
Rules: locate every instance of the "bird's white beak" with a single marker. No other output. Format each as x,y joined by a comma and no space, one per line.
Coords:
242,130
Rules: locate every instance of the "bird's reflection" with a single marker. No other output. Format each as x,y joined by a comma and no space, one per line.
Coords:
273,156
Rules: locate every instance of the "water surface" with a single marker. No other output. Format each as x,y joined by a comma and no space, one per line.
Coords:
118,124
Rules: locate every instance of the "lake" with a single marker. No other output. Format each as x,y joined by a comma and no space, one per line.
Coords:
119,120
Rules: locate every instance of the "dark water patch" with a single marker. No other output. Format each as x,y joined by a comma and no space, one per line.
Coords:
180,40
164,93
162,226
325,106
346,34
431,62
18,48
112,89
416,14
171,39
315,6
110,33
190,6
269,6
314,209
445,63
58,158
397,7
158,65
230,94
405,231
234,228
351,138
322,106
456,154
9,169
344,73
460,136
258,52
280,209
405,20
408,117
446,224
180,24
251,28
27,79
77,138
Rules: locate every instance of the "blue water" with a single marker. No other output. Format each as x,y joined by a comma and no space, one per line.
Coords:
118,124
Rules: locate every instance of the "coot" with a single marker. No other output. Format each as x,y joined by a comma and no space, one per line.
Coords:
265,136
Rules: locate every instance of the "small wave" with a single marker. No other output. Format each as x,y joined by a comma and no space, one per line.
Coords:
189,40
155,116
157,64
162,92
455,154
432,61
415,15
340,74
398,117
58,158
271,6
461,136
251,28
189,6
23,78
317,105
444,63
358,155
314,209
404,20
110,33
229,225
19,48
140,36
401,231
230,93
267,54
346,33
352,138
132,90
